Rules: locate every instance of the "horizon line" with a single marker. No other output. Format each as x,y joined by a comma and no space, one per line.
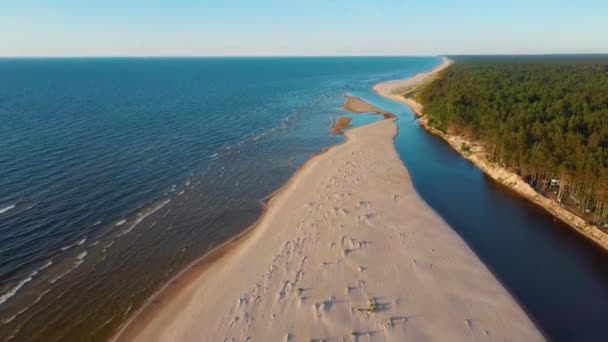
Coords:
300,56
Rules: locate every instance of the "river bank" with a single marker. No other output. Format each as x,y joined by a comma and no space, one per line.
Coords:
341,253
404,90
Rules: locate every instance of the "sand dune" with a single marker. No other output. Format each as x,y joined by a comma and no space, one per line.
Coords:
346,251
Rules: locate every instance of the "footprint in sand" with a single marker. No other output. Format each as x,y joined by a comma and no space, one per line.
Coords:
363,204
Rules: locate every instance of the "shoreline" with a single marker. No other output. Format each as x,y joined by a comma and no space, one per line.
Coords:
477,155
328,258
133,326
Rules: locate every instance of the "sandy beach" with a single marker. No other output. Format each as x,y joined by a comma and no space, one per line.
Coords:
404,90
347,250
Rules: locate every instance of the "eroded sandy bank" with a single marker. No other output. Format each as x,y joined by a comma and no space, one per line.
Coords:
404,90
347,250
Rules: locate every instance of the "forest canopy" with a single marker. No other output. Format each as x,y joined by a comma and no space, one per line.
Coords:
547,118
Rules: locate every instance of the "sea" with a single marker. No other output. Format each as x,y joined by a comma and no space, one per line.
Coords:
117,173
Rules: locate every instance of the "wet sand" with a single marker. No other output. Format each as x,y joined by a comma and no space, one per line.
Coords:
340,125
346,250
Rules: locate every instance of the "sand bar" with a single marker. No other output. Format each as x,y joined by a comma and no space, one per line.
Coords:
358,106
347,250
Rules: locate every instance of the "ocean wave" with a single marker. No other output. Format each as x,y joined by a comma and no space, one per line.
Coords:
13,290
77,243
281,127
120,223
141,216
79,260
7,208
10,319
82,255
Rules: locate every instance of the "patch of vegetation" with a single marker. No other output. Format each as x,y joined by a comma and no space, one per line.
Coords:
545,117
373,307
465,148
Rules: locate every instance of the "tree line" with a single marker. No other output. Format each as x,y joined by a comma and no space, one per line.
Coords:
545,118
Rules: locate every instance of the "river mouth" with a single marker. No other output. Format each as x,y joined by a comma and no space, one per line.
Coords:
551,270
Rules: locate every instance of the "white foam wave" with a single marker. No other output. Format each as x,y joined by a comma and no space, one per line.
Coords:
49,263
79,261
284,125
141,216
13,290
10,319
120,223
7,208
77,243
82,255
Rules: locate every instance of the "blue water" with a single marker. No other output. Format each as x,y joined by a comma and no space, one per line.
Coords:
116,173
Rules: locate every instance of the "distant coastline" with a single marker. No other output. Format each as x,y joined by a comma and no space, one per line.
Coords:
404,91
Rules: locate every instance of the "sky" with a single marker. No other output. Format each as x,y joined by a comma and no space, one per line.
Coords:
301,27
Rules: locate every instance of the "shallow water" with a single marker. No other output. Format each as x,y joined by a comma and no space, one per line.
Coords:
116,173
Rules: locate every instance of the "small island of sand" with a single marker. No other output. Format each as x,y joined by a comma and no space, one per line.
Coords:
347,250
358,106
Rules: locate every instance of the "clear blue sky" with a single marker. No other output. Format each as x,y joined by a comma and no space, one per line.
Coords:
300,27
